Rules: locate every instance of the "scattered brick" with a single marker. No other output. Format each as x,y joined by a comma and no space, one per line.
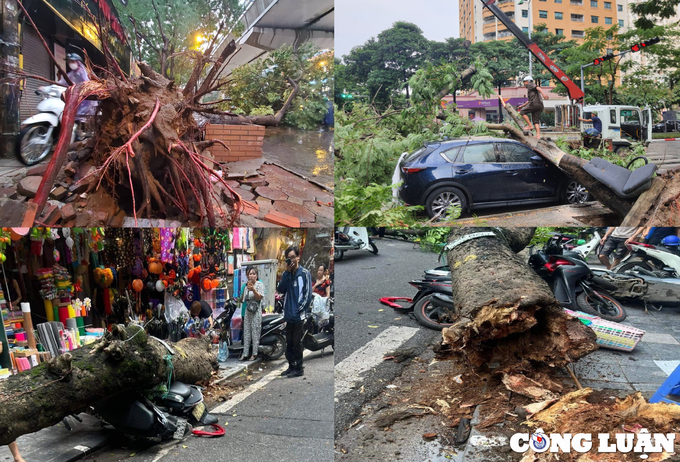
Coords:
282,219
67,212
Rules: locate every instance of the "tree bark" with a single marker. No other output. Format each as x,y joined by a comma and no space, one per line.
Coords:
508,314
125,359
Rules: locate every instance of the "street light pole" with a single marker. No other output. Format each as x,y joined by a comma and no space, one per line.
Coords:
530,55
528,2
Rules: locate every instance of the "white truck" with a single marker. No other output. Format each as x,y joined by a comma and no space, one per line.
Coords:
623,125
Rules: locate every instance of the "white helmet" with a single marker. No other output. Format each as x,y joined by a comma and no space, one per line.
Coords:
528,78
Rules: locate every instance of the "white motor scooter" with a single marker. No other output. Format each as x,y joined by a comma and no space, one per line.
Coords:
39,132
352,239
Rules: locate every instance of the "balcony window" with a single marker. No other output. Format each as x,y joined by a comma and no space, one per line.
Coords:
543,14
558,15
577,33
525,13
577,17
607,20
576,2
558,1
594,19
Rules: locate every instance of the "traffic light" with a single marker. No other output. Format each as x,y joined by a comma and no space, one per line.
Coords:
346,96
602,59
645,44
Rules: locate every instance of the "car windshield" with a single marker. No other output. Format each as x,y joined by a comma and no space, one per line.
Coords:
629,116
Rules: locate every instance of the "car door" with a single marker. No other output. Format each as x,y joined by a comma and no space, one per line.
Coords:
525,178
477,167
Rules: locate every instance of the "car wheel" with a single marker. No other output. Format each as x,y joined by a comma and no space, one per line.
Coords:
576,193
439,201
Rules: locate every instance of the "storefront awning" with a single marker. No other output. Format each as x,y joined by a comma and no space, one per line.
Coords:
481,103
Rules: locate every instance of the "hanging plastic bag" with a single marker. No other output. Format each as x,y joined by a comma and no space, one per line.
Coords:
222,352
320,310
174,308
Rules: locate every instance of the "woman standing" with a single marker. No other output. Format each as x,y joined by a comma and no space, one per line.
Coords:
253,294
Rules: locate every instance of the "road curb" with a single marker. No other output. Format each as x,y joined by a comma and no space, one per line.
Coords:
237,370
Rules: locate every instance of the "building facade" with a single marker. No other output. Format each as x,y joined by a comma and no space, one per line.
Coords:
562,17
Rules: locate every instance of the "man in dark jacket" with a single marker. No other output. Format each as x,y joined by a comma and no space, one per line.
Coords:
296,285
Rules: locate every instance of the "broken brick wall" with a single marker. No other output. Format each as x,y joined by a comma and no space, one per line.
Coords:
244,141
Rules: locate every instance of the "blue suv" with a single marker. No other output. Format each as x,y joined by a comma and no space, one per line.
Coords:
482,172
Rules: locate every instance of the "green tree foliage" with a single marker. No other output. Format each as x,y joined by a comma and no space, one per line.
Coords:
164,33
596,43
649,12
382,67
262,87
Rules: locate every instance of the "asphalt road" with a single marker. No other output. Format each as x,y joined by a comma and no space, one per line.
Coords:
275,418
363,278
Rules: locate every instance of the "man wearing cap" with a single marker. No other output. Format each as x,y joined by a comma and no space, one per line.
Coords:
533,106
596,129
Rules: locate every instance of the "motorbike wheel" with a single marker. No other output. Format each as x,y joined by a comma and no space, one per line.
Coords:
338,254
279,349
427,315
374,249
632,264
23,143
611,310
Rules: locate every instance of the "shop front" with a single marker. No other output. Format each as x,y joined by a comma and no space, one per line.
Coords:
65,288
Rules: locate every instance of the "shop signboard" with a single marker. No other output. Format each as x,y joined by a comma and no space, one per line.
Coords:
79,19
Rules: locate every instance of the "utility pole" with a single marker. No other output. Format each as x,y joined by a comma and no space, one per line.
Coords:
9,89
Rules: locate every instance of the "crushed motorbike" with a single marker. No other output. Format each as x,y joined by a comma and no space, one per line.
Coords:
573,283
650,275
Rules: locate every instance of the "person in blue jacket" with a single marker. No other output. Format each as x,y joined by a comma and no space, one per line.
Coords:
296,285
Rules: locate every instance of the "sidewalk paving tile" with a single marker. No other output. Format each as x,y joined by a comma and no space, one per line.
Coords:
651,337
668,366
602,384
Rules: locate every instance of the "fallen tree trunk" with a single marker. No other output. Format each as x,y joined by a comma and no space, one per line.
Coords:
125,359
507,313
572,165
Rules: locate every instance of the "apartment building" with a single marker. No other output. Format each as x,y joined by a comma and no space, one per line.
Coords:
562,17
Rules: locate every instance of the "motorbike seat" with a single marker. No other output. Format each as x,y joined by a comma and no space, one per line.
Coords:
180,389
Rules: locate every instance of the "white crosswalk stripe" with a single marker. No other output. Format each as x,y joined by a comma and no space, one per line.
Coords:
348,371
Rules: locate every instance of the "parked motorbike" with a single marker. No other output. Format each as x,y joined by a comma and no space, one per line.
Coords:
40,131
352,239
319,333
653,258
435,282
272,336
573,283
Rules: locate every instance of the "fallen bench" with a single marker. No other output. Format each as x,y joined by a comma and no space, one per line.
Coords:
625,183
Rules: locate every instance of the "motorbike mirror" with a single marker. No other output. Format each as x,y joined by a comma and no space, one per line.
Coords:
668,269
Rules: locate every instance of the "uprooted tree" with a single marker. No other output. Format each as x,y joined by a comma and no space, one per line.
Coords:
149,150
124,359
506,314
